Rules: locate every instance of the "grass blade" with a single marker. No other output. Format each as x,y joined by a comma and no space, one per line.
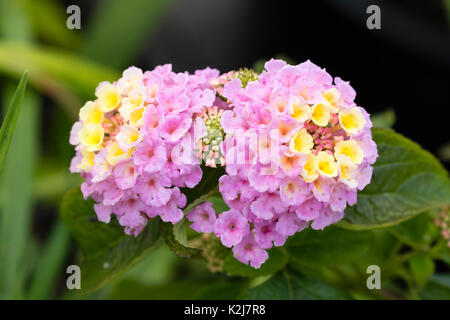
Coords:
17,204
9,124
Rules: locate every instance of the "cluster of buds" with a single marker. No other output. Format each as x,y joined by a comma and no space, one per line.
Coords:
443,223
209,146
212,251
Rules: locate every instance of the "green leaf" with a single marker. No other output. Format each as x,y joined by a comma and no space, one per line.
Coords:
422,267
107,250
379,251
208,187
385,119
407,180
158,267
278,259
291,285
219,204
62,75
438,288
328,247
417,232
9,124
167,230
124,24
179,232
442,251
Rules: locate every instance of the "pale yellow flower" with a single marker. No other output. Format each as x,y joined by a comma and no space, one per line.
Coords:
299,110
326,165
91,113
310,172
108,96
321,113
91,136
350,149
352,120
301,141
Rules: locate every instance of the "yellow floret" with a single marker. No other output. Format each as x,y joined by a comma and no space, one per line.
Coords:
128,137
325,165
87,160
332,96
137,117
310,172
131,78
114,154
352,120
126,109
129,104
299,110
91,137
91,113
108,96
350,149
321,113
347,168
301,141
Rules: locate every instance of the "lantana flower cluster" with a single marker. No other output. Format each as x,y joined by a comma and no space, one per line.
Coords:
128,141
297,150
295,146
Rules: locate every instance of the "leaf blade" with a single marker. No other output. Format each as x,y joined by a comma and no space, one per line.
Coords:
332,246
291,285
10,122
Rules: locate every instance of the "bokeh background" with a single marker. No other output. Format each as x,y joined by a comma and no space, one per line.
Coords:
400,71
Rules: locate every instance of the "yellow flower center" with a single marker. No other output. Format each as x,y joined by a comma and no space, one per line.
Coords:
352,120
321,114
91,136
301,141
351,149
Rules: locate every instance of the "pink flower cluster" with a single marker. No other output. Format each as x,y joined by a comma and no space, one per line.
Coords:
297,150
295,146
128,141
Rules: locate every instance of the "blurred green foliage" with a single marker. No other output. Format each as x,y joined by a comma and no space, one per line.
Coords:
63,72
